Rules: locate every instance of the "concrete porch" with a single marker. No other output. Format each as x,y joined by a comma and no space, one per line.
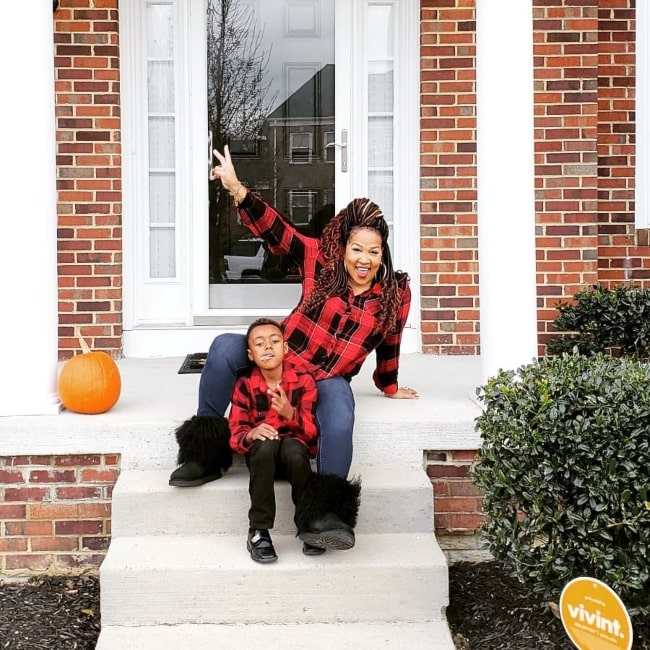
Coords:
155,399
171,546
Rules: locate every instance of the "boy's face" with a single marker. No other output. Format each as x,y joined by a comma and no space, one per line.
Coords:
266,346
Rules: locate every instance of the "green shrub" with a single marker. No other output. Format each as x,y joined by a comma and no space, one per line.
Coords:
616,321
565,467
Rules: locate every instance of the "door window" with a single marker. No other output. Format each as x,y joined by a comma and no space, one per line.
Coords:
270,79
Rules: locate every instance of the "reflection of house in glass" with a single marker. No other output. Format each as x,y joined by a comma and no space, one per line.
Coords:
291,164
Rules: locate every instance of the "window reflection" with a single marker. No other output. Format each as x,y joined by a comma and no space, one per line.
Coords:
271,99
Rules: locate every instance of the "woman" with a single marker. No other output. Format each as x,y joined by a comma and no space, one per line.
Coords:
352,303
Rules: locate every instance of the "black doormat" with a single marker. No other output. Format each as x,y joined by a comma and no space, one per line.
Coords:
193,363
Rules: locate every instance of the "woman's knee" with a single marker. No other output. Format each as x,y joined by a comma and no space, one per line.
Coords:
227,350
335,405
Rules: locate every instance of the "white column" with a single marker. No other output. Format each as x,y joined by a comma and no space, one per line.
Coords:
28,273
506,191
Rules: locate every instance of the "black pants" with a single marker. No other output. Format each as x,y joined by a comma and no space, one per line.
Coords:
268,460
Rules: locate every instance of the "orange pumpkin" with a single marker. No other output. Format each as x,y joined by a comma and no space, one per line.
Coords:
89,382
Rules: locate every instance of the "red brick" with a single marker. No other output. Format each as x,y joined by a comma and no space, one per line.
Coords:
94,510
99,475
464,454
28,528
80,460
52,511
77,492
78,561
51,476
448,471
57,543
452,522
7,477
78,527
13,544
30,561
96,543
26,494
17,461
13,511
463,489
456,504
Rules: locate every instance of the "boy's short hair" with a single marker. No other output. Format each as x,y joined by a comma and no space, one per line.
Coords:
262,321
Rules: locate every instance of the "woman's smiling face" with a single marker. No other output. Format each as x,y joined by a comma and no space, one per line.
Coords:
362,258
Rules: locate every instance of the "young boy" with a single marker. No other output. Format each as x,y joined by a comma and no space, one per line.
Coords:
273,422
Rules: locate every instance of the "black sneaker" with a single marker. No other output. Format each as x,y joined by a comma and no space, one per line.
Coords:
260,545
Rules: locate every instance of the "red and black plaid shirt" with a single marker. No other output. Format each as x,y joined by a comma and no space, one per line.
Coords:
339,338
251,406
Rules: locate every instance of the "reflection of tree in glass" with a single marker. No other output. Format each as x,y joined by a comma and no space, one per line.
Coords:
237,81
237,100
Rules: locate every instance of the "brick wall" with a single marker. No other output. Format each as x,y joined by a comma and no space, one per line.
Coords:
584,156
55,513
566,192
584,161
88,174
457,502
621,255
448,230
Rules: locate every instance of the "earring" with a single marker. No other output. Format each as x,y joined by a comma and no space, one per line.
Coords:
384,272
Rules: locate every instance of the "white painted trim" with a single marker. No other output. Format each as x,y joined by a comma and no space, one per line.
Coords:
642,112
406,150
198,236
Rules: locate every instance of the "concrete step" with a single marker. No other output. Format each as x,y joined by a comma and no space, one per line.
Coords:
315,636
393,500
210,579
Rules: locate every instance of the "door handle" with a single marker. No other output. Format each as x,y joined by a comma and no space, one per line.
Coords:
343,146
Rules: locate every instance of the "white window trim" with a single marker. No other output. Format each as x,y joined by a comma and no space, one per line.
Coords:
297,160
406,137
642,112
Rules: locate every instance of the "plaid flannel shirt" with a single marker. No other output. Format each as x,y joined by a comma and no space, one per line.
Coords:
251,407
340,337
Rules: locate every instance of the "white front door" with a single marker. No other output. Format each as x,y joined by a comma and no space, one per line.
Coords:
306,94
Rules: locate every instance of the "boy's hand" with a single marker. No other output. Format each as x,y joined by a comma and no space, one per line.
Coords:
262,432
280,402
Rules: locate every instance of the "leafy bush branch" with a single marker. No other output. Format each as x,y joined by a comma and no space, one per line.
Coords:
565,468
613,320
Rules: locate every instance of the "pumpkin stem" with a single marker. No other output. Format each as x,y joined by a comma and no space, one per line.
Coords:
85,348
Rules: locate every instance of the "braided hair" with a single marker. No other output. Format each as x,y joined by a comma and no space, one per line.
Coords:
332,280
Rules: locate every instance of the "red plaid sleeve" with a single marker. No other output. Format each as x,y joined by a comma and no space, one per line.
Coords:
240,419
264,221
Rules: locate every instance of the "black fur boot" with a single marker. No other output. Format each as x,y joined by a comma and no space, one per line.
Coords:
203,451
327,511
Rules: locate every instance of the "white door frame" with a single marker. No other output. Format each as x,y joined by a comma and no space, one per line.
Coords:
194,325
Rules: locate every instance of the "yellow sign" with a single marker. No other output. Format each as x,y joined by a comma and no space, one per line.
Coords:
594,616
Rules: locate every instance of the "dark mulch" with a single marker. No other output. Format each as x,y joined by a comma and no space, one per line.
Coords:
50,613
487,611
490,611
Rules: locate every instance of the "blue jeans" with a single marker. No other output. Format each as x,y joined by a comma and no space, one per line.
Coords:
334,408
